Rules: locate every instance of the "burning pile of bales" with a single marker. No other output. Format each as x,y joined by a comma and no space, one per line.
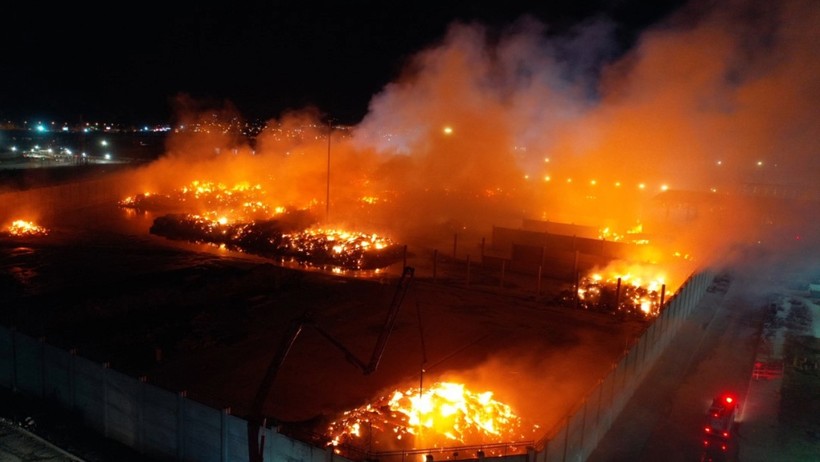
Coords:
622,297
21,228
284,238
443,414
241,218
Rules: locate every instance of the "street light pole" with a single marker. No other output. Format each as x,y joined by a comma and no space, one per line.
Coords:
327,196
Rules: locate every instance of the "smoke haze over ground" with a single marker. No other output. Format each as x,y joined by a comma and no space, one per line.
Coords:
701,138
492,126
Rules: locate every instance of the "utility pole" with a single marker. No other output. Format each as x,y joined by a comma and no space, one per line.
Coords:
327,195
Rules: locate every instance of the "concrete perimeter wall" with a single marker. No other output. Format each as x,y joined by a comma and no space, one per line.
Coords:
156,422
579,433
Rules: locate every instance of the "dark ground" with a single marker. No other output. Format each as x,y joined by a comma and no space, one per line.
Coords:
196,318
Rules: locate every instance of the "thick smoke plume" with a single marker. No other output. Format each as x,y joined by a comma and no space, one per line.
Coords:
715,106
703,134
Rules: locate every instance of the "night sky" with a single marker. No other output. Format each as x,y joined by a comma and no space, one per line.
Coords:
127,64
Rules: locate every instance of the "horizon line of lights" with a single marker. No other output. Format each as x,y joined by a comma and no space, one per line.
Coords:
593,182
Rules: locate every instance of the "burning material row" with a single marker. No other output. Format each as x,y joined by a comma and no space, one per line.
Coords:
241,201
241,217
285,239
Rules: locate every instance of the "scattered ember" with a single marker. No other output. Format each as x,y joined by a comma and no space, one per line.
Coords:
443,415
634,235
25,228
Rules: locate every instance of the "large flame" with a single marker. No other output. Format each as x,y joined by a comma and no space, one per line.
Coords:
627,289
25,228
440,415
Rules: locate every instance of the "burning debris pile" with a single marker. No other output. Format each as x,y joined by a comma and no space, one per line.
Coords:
445,414
284,239
241,218
25,228
626,295
241,201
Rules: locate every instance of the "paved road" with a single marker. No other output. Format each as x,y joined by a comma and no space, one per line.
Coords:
18,445
713,352
54,436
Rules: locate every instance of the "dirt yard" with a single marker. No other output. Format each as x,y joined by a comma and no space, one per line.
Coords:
197,318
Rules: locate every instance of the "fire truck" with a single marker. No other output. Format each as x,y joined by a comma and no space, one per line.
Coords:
720,418
718,444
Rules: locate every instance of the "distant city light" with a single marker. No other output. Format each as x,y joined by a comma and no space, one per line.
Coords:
40,128
760,163
664,187
104,143
107,156
641,186
448,130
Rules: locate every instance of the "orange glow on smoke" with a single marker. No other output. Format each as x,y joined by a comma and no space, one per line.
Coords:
444,414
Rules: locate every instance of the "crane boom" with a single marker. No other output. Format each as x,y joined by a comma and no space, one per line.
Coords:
392,313
256,421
